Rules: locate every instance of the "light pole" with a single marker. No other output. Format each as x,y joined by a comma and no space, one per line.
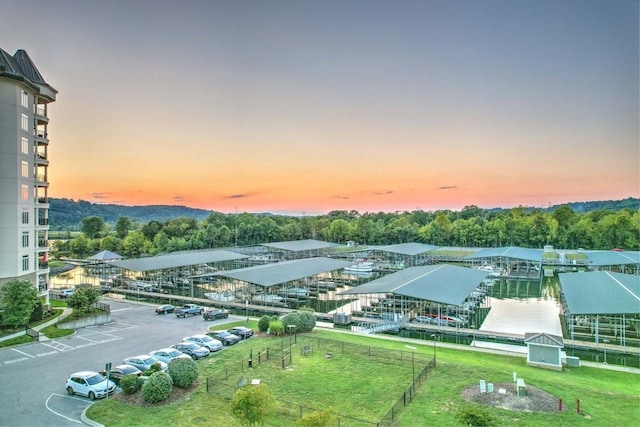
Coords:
605,351
435,338
413,365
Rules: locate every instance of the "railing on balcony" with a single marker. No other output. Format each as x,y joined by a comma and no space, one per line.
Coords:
43,200
41,111
43,265
41,177
43,243
43,221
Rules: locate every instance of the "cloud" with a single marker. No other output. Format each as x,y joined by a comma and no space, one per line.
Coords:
341,197
101,195
382,193
236,196
177,199
448,187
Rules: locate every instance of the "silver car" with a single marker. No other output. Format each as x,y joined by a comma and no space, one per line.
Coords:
144,362
193,349
166,355
205,341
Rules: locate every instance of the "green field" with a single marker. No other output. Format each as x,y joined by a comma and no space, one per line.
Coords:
365,388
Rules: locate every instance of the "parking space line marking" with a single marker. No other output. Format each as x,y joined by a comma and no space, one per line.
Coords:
22,352
121,309
58,345
86,339
46,404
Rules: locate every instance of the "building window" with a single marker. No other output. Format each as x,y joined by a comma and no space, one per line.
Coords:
25,239
25,192
25,216
25,122
25,262
25,146
25,169
25,99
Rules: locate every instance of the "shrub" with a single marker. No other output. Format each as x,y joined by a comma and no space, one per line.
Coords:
37,313
477,416
307,321
183,371
155,367
276,327
157,388
129,384
263,323
292,318
318,419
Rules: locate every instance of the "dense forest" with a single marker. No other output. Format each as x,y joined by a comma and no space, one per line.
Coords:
561,226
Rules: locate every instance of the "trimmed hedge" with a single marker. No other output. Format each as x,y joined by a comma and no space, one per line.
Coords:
129,384
183,371
157,388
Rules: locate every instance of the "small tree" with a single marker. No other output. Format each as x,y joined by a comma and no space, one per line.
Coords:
19,298
474,415
276,327
263,323
78,301
318,419
252,405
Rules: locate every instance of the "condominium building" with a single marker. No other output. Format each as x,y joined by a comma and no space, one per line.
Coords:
24,166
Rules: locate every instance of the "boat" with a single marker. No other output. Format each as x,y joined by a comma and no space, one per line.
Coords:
296,292
490,269
225,296
361,267
267,298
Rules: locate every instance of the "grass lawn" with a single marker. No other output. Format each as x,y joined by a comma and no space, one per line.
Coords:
360,387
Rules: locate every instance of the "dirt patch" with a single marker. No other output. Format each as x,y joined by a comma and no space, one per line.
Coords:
536,400
177,394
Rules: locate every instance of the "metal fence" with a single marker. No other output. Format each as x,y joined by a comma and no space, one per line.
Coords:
227,380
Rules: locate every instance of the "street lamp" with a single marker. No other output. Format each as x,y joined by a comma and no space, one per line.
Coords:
435,338
605,351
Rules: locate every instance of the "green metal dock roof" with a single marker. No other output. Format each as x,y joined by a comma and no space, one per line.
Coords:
601,292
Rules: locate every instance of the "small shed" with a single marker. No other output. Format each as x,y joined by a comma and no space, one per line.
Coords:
544,350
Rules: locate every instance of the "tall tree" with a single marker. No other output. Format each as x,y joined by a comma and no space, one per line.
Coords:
92,226
123,226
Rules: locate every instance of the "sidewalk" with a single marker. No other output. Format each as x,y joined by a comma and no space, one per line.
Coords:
66,312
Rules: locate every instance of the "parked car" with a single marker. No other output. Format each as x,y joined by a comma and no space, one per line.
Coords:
215,314
205,341
192,349
61,293
166,308
120,371
189,310
241,331
227,338
144,362
166,355
90,384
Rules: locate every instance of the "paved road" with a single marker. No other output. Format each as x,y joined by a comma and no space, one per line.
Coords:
32,376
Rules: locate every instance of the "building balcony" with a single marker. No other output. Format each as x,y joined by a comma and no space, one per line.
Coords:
43,243
44,200
41,159
41,137
41,180
40,114
43,221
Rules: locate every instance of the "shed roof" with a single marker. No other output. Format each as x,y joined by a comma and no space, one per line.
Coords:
301,245
543,338
601,292
281,272
509,252
182,259
613,257
105,256
406,248
444,283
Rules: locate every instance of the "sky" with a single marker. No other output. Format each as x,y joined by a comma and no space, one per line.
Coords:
304,107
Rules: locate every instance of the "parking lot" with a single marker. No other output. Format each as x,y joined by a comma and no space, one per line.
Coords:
33,375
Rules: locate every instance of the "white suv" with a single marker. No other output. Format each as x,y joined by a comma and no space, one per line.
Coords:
90,384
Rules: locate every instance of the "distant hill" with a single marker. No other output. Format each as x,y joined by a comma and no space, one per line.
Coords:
67,214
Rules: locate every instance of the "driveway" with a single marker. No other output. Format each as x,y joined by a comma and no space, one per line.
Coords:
33,375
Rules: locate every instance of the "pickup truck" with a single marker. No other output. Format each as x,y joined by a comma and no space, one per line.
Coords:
189,310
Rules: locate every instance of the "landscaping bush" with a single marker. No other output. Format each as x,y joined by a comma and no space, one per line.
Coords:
276,327
307,321
38,312
157,388
263,323
318,419
476,416
129,384
183,371
153,369
292,318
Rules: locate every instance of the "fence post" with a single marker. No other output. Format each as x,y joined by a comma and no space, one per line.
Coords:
578,406
560,404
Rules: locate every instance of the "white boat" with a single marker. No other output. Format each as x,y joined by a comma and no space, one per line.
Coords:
267,298
361,267
220,296
490,269
300,292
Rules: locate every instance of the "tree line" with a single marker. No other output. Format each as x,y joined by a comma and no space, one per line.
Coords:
471,227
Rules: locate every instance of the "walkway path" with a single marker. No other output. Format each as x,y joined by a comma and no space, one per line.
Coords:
66,312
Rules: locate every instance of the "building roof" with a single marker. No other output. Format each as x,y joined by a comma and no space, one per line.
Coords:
21,67
301,245
410,249
182,259
509,252
443,283
600,258
105,256
543,338
601,292
281,272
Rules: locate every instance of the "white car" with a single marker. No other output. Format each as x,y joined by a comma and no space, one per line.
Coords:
205,341
166,355
90,384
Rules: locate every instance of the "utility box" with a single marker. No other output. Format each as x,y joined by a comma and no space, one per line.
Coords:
522,390
341,318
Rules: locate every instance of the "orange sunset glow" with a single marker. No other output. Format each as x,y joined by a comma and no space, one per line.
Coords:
309,107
